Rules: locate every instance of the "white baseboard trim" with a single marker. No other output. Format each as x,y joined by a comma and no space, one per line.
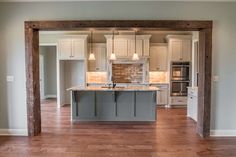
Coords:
50,96
223,133
13,132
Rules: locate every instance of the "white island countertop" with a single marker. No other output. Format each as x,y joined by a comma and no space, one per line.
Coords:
131,88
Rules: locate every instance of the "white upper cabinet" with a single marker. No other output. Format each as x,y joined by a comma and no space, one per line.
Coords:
124,45
186,50
72,47
121,47
64,48
99,64
146,46
139,47
180,47
158,57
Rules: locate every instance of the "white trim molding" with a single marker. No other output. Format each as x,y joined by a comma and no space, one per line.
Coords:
50,96
13,132
223,133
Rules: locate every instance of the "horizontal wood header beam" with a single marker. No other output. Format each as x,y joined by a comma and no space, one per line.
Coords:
148,24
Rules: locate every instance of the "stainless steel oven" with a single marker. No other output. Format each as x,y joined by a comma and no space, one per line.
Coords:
179,88
180,71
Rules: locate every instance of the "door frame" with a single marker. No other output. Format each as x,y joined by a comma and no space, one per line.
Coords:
41,78
32,29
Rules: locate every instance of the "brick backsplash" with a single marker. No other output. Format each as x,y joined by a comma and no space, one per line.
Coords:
127,73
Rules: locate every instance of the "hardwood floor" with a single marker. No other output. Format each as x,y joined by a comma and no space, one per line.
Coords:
173,135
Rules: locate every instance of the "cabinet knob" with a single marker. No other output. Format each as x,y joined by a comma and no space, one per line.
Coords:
157,68
181,58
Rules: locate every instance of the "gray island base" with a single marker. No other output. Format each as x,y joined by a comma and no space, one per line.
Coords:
114,104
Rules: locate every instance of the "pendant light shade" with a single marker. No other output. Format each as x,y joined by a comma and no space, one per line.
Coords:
113,55
135,55
91,55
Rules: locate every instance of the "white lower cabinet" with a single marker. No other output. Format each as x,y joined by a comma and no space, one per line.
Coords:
162,94
178,100
192,105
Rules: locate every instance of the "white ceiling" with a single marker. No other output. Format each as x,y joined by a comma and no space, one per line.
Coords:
116,0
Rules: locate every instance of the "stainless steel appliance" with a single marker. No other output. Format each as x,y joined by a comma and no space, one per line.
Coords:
180,71
180,78
179,88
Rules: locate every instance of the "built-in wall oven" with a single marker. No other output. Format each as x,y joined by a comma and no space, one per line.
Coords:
179,88
180,78
180,71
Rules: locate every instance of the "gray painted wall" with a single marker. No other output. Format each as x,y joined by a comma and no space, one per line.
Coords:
13,15
50,69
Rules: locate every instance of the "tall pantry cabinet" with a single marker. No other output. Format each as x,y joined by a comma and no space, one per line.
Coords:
180,50
71,65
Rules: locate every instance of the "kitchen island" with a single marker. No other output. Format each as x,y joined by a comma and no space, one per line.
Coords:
113,104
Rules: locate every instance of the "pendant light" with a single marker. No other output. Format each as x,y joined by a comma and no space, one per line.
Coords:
135,55
91,55
113,55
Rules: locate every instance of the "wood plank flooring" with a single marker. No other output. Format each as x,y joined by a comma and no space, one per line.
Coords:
173,135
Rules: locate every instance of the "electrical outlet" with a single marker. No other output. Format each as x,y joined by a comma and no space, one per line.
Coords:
10,78
215,78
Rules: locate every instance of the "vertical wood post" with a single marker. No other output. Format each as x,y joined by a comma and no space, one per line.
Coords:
204,85
32,80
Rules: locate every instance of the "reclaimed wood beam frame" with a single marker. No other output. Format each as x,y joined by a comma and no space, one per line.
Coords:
32,29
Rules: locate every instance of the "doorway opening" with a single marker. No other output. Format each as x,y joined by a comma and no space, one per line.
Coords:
204,86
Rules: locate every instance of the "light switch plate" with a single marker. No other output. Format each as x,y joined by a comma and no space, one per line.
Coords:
10,78
215,78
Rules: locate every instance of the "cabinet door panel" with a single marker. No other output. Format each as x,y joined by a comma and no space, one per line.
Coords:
186,50
146,47
145,105
65,49
125,105
78,49
153,66
99,64
176,50
139,47
158,58
163,96
162,58
105,104
100,59
86,106
121,47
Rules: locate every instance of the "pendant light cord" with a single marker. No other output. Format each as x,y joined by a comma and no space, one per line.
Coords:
135,41
91,40
112,41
